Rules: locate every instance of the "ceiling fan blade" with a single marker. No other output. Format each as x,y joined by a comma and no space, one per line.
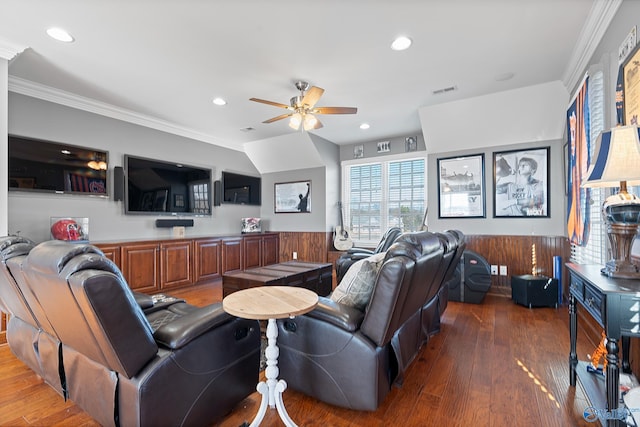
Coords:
312,96
280,117
275,104
335,110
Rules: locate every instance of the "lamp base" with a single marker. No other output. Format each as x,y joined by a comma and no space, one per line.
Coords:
621,237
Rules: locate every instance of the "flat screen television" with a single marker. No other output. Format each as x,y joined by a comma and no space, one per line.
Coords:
159,187
241,189
46,166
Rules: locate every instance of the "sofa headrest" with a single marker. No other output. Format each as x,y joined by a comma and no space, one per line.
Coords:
12,246
8,241
420,242
52,256
449,241
458,235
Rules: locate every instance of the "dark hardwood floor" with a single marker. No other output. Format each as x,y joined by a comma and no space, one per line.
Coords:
493,364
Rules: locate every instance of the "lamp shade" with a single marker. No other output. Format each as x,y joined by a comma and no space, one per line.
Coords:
617,158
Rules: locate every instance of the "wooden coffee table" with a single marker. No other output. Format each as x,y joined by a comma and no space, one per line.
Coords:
315,276
271,303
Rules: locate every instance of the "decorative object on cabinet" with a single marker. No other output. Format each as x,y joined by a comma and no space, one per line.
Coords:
521,183
616,163
251,225
461,191
73,229
292,197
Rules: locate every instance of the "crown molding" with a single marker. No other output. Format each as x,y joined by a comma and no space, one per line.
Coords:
9,50
57,96
596,25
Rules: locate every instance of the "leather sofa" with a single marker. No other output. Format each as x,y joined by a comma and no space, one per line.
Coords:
351,358
121,357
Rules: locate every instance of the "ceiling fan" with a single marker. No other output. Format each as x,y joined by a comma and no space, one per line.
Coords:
303,108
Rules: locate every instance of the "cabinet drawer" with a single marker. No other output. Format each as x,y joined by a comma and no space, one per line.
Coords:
594,302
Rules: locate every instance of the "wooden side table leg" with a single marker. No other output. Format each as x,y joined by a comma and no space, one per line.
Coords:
612,379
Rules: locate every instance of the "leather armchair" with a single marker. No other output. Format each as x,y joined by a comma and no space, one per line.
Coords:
177,365
350,358
352,255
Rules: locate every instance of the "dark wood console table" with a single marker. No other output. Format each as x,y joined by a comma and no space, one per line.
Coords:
314,276
615,305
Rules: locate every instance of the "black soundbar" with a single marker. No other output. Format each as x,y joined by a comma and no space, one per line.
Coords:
168,223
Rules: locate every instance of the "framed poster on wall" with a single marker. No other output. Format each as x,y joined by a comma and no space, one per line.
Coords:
461,192
521,183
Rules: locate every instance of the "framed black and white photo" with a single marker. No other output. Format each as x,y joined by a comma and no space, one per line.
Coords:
292,197
411,143
461,192
358,151
521,183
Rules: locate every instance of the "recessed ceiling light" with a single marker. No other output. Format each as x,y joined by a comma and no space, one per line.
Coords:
364,126
401,43
60,35
219,101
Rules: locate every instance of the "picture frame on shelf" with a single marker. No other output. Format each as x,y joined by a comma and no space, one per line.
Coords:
411,144
292,197
461,188
358,151
521,183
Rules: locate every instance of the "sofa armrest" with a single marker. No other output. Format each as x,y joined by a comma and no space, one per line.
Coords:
359,251
340,315
143,300
181,331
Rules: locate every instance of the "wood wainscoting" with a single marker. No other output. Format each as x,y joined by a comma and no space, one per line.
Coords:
515,252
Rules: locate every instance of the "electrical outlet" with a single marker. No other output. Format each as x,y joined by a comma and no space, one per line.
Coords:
295,255
494,270
503,270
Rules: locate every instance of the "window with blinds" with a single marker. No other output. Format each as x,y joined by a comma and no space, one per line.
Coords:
381,195
595,251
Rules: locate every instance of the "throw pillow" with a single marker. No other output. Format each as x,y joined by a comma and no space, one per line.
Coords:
356,286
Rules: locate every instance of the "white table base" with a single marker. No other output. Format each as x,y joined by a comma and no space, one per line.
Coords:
272,389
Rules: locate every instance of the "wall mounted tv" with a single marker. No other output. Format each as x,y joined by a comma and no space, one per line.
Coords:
241,189
166,188
54,167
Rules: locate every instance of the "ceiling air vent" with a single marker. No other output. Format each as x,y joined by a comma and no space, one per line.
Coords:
445,90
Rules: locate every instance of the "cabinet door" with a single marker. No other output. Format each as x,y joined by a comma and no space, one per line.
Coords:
140,266
207,260
231,254
270,249
252,251
112,252
176,265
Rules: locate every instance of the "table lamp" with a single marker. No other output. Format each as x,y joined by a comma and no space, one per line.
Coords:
616,164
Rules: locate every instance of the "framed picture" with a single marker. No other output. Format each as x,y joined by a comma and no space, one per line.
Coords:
631,87
411,143
384,146
292,197
521,183
461,192
358,151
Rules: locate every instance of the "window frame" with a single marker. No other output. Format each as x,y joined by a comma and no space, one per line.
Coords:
384,202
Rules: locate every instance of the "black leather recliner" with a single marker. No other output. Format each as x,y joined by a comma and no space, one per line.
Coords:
351,358
352,255
175,365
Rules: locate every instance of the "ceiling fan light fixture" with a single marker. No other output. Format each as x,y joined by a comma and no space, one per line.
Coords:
310,122
295,121
401,43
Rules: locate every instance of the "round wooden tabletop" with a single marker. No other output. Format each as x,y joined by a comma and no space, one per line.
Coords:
270,302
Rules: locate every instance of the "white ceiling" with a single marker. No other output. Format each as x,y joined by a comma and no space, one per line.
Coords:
160,62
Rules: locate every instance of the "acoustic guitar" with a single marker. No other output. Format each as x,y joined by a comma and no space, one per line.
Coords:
341,240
